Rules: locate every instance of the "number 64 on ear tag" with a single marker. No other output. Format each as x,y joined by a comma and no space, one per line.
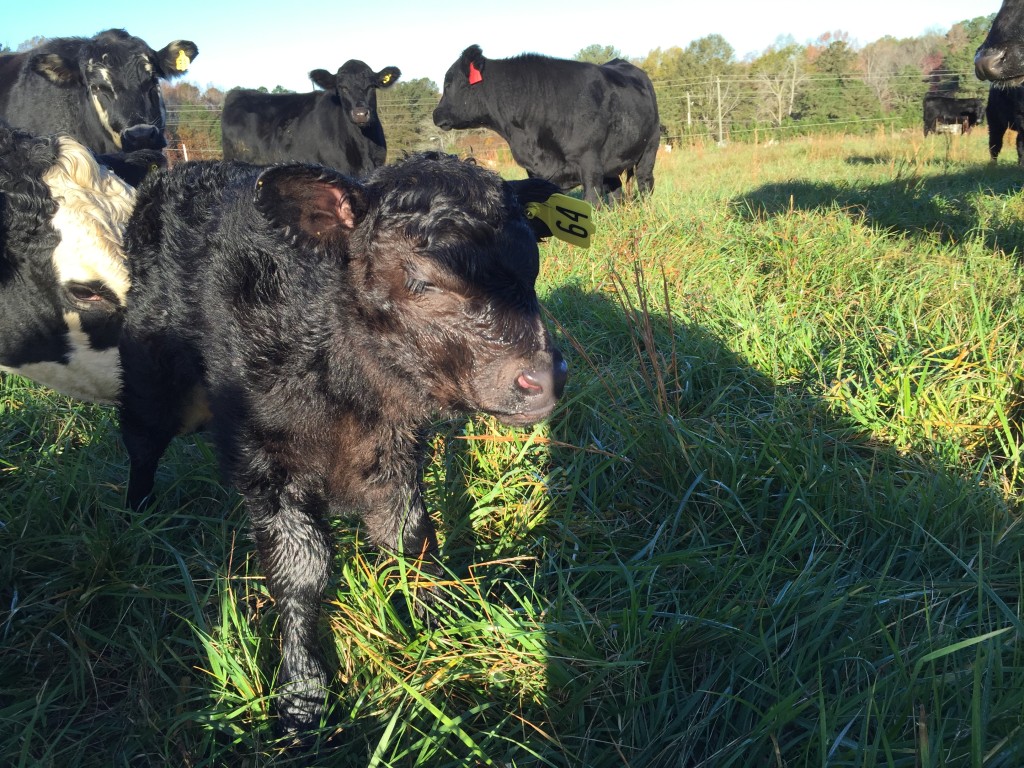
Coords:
568,219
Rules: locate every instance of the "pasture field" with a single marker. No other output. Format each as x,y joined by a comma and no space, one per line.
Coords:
776,520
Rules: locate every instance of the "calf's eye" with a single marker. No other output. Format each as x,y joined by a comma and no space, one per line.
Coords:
419,287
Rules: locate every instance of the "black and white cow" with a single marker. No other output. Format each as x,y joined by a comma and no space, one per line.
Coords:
63,275
103,91
325,322
946,114
1001,57
569,122
337,127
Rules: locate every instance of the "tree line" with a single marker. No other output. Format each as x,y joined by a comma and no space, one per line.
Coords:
705,92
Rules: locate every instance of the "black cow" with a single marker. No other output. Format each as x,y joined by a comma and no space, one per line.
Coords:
942,113
1001,57
324,323
63,274
569,122
337,127
104,91
1005,109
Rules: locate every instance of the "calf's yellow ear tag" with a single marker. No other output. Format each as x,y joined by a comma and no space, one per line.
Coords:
568,219
181,63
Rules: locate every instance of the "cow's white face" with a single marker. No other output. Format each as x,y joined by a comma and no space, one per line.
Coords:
92,274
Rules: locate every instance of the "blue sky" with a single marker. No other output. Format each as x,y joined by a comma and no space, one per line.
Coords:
278,43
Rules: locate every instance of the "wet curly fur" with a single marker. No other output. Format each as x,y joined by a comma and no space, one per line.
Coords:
324,323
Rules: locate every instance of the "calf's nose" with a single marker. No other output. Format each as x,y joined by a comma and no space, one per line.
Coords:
550,381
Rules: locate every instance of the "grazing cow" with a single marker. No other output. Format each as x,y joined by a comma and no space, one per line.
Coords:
324,322
103,91
63,275
337,127
569,122
945,114
1001,57
1005,109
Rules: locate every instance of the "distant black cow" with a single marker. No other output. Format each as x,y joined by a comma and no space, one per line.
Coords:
325,323
1001,57
569,122
104,91
943,113
337,127
1005,109
63,274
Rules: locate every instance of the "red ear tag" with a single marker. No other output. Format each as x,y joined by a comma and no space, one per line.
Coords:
474,74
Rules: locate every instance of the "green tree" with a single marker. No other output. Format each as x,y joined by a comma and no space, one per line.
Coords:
598,54
836,92
689,81
779,73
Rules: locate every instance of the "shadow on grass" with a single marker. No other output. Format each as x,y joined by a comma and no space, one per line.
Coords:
744,579
912,204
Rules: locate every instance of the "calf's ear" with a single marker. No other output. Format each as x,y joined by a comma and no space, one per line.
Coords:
534,190
309,203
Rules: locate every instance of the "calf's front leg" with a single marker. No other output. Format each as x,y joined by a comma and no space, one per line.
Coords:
294,544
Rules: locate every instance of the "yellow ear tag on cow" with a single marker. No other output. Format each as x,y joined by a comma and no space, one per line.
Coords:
568,219
386,79
181,63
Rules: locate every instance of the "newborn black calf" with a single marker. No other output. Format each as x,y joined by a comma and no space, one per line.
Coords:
324,323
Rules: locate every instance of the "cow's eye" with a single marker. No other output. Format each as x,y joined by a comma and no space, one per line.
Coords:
90,296
419,287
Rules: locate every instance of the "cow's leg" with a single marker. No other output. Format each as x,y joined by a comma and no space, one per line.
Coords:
645,167
592,179
150,416
288,521
996,129
396,520
1020,149
145,439
612,187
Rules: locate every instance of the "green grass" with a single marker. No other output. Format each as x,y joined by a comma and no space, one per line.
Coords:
776,520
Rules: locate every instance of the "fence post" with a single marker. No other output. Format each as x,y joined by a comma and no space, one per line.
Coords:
718,89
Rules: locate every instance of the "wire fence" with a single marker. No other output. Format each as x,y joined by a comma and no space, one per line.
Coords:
699,110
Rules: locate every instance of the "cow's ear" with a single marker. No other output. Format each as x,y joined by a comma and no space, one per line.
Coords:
175,58
473,64
58,70
388,77
309,203
323,79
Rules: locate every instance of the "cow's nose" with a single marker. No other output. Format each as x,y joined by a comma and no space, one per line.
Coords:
360,115
988,65
142,137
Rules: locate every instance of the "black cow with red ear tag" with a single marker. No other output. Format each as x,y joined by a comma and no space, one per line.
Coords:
318,325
